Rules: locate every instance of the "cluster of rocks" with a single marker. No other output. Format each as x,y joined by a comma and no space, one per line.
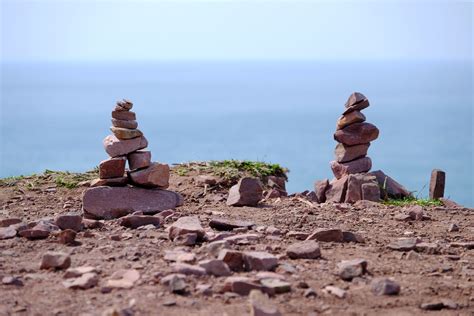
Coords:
353,181
118,191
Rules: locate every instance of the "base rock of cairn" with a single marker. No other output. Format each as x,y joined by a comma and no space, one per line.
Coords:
118,191
351,167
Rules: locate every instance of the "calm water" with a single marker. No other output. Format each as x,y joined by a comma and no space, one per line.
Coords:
54,116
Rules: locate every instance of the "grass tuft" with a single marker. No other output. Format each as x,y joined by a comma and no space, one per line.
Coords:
412,201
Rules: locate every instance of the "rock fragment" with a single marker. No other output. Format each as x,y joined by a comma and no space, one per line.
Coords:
215,267
437,183
186,225
83,282
223,224
260,305
233,258
349,269
356,134
308,249
55,260
116,147
383,286
259,261
135,221
247,192
123,279
327,235
70,220
139,159
155,176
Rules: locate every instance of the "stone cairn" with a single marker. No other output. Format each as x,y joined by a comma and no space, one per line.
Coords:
118,191
351,166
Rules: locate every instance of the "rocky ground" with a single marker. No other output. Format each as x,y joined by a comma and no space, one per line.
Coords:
425,251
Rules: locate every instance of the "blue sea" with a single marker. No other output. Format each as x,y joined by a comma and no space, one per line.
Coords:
55,115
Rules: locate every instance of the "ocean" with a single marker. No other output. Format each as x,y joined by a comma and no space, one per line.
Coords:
55,115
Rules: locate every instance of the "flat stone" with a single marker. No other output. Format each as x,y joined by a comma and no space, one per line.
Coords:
276,182
274,286
113,182
404,244
186,225
354,186
229,224
437,183
78,271
116,147
84,282
5,222
350,118
356,134
139,159
112,168
177,285
467,245
124,115
235,239
125,133
352,237
428,248
320,188
39,231
67,237
383,286
259,261
124,123
215,267
69,220
349,269
344,153
233,258
135,221
308,249
389,187
123,279
7,232
92,224
297,235
179,256
240,285
453,228
260,305
327,235
113,202
188,269
415,212
247,192
337,189
450,203
338,292
55,260
189,239
11,280
157,175
360,165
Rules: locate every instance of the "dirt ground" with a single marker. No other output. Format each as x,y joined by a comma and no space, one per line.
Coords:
423,277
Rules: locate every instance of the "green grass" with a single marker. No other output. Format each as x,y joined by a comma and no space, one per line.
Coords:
412,201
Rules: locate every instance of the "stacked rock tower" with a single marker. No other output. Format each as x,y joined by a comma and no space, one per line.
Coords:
141,185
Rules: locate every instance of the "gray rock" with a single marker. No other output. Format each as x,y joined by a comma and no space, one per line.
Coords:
308,249
259,261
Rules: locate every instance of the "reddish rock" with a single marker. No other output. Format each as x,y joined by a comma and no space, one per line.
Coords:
112,168
276,182
356,134
186,225
336,191
274,286
124,123
125,133
371,192
240,285
55,260
215,267
449,203
179,255
5,222
247,192
404,244
229,224
7,232
112,182
349,269
259,261
135,221
91,224
415,212
320,188
84,282
274,194
327,235
350,118
437,183
124,105
124,115
139,160
157,175
67,237
383,286
336,291
354,186
346,153
123,279
233,258
39,231
70,220
189,239
308,249
116,147
188,269
297,235
113,202
360,165
260,305
355,98
389,187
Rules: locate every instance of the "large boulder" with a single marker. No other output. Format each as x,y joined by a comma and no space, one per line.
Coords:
389,187
116,147
247,192
358,133
113,202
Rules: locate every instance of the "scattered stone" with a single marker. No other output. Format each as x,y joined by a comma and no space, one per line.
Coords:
327,235
404,244
135,221
383,286
71,221
185,225
11,280
84,282
123,279
247,192
189,239
350,269
274,286
297,235
415,212
233,258
338,292
437,183
467,245
229,224
215,267
308,249
310,293
413,255
40,231
5,222
356,134
240,285
359,165
389,187
155,176
177,285
112,168
179,256
320,188
352,237
139,159
453,228
259,261
169,302
449,203
188,269
55,260
260,305
67,237
336,191
428,248
78,271
91,223
432,306
7,232
204,289
116,147
114,202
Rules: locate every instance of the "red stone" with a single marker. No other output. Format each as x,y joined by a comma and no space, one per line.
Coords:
358,133
350,118
346,153
336,192
124,123
71,221
124,115
389,187
371,192
354,186
320,188
354,98
112,168
360,165
135,221
247,192
327,235
116,147
185,225
139,160
157,175
437,183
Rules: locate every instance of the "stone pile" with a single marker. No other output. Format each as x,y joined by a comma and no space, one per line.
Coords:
118,191
351,166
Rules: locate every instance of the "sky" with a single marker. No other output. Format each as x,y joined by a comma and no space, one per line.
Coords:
106,30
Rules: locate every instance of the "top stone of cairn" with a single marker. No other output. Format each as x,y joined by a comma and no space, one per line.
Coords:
357,101
124,105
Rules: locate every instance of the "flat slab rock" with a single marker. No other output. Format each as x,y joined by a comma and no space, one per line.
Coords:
113,202
229,224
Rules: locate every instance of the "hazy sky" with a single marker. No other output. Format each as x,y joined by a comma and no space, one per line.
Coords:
225,29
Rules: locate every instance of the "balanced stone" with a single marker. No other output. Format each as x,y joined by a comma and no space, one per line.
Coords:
116,147
124,115
124,105
355,166
112,168
124,123
346,153
139,160
350,118
111,182
354,98
125,133
113,202
156,175
358,133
